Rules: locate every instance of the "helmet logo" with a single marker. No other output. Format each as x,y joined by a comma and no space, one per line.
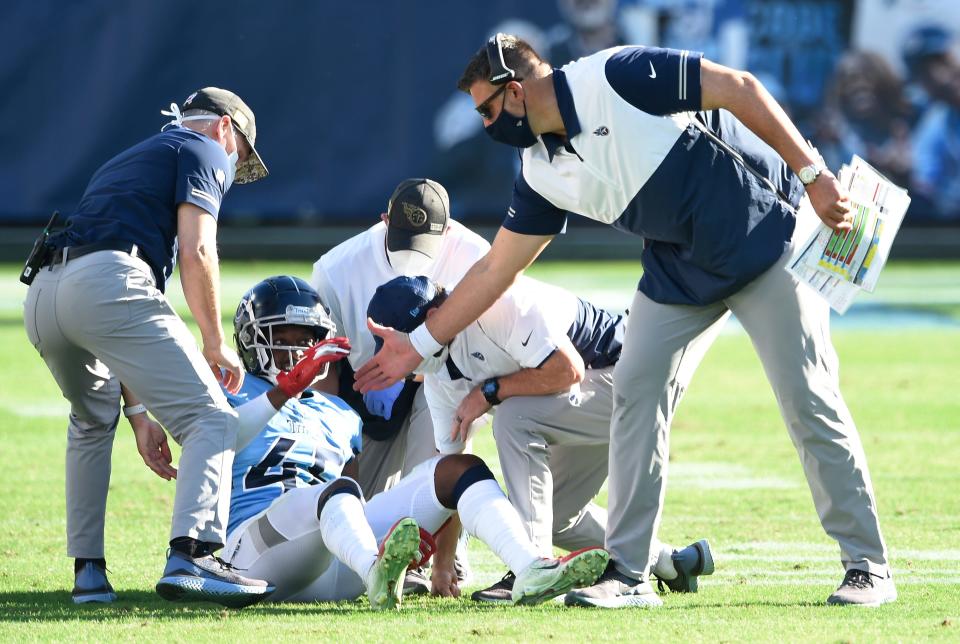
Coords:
307,315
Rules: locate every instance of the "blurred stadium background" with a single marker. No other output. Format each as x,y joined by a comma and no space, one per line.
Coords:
353,97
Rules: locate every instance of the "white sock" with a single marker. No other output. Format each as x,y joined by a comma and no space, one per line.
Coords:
347,534
661,563
486,514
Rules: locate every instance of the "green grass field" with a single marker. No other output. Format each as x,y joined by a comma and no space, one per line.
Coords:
735,479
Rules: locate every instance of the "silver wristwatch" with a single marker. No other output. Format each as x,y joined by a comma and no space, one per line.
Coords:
808,174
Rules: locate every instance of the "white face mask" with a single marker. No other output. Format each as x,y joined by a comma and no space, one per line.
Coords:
433,364
232,160
410,262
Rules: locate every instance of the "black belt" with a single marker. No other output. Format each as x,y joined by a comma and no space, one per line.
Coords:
62,255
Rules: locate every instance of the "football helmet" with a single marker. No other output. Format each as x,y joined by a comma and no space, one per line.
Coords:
275,301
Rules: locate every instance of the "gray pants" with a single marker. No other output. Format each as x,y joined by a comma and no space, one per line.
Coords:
789,327
384,463
553,454
97,321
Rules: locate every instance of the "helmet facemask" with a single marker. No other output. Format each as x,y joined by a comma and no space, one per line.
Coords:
255,337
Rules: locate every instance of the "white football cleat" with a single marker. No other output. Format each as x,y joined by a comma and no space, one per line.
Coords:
545,579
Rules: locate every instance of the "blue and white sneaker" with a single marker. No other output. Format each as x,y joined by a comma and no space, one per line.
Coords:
208,579
91,585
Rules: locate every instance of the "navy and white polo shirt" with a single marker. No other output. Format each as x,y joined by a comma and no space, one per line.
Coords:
636,159
521,330
134,196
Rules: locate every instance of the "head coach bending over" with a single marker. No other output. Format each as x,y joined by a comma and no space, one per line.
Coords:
716,196
97,314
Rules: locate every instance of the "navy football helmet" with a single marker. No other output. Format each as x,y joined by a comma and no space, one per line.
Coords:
276,301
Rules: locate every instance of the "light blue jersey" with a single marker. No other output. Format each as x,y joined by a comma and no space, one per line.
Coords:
307,442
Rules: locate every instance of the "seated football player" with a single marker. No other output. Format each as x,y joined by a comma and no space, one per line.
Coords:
297,515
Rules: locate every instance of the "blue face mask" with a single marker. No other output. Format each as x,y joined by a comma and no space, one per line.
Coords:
512,130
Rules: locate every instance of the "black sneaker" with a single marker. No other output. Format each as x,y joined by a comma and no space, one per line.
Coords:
416,583
862,588
499,593
208,578
691,562
90,583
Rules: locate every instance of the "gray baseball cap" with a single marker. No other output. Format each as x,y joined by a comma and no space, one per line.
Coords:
226,103
418,212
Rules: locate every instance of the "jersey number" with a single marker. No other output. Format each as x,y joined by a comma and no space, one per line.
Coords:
260,475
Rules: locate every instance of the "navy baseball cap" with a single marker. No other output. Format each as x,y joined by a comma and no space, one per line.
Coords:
402,303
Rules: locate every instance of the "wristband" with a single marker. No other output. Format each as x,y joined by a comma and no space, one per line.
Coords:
423,342
133,410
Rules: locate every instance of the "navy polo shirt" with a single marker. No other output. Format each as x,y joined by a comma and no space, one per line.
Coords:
714,204
134,196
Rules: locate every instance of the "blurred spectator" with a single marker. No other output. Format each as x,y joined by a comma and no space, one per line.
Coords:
591,25
866,113
936,171
477,172
718,28
798,43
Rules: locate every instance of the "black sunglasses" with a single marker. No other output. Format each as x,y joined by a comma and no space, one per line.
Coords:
483,109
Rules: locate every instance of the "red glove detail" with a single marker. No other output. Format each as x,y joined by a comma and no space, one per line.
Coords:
303,374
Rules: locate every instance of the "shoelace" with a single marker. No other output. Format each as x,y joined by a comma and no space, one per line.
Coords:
508,579
859,579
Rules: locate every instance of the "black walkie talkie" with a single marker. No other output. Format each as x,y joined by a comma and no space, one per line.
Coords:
40,253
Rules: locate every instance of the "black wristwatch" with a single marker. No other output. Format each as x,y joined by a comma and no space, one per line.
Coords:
490,388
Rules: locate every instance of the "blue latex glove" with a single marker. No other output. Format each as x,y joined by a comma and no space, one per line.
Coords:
380,402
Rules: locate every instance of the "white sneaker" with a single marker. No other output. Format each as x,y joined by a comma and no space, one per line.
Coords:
545,579
400,547
862,588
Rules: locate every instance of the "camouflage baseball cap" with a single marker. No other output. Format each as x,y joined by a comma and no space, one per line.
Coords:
226,103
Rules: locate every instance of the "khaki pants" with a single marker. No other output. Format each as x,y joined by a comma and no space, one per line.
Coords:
97,321
553,454
789,327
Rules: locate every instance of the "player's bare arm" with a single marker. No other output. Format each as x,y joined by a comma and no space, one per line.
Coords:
558,373
443,573
200,277
486,281
746,98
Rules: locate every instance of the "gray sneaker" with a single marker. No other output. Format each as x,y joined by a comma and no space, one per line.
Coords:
691,562
861,588
416,583
615,590
208,578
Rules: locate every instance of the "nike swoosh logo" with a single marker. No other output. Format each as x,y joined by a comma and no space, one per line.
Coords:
524,343
653,72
